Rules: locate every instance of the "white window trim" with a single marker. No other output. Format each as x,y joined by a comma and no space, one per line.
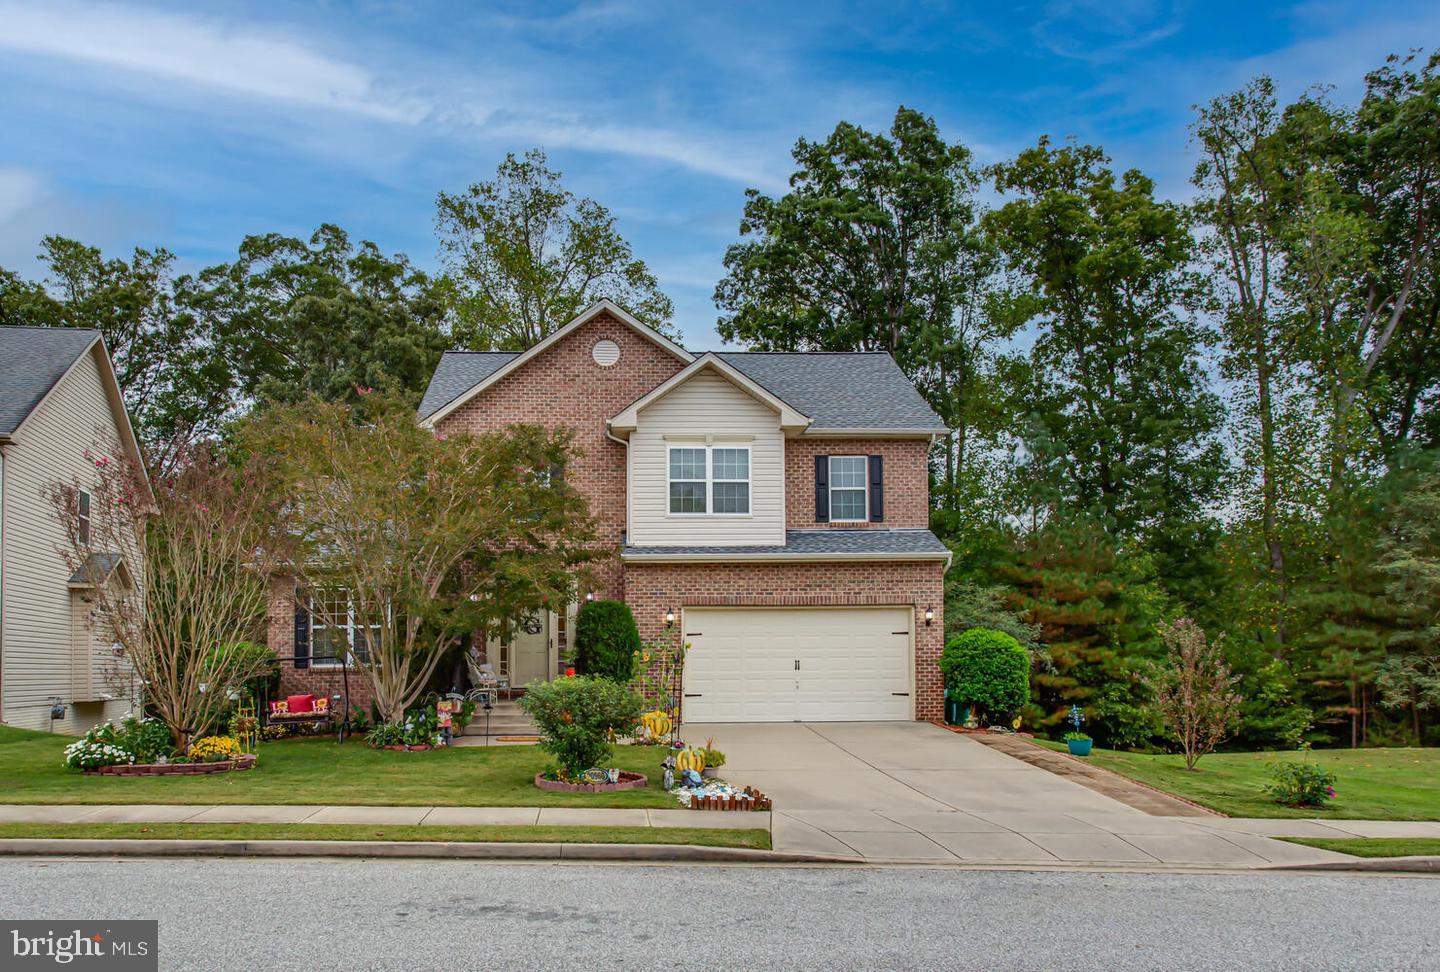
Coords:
865,485
84,510
348,627
710,480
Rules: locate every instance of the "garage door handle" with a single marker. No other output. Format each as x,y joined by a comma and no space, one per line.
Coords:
694,634
900,632
694,695
900,693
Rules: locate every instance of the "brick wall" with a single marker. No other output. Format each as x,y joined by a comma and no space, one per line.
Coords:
907,480
564,387
301,681
652,589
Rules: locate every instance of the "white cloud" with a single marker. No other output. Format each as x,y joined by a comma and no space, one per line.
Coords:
31,207
211,53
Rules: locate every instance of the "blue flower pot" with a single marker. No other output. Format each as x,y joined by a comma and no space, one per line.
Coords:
1079,747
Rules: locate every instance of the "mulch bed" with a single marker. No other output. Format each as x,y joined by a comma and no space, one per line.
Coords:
628,781
174,769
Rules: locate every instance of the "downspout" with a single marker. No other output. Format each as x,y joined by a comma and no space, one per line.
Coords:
626,443
3,561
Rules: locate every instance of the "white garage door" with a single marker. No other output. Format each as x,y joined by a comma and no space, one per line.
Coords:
797,664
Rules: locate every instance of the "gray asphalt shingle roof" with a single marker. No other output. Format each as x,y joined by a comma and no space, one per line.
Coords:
840,390
32,359
802,543
837,390
96,569
457,373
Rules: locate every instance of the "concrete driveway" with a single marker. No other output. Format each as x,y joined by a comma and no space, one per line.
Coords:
910,791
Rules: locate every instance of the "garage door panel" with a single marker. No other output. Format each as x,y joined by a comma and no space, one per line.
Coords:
854,664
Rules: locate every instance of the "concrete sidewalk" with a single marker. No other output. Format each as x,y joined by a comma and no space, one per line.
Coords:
421,816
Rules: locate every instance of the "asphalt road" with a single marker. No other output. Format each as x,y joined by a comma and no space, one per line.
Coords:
299,915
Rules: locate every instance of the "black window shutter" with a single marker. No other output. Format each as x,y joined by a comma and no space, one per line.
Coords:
877,489
302,633
557,476
822,489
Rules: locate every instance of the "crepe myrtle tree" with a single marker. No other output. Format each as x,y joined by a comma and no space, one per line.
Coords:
417,539
175,573
1195,690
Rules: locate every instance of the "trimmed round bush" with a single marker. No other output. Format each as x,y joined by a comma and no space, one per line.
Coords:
576,715
606,640
987,669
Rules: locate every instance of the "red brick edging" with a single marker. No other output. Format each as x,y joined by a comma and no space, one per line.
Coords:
628,781
173,769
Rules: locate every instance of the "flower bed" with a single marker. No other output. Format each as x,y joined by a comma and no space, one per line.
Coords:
721,796
173,769
628,781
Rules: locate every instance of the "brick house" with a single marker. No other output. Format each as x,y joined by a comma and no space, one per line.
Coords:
775,505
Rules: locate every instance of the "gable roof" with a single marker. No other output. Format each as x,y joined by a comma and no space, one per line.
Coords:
604,305
843,392
32,360
457,373
627,418
96,571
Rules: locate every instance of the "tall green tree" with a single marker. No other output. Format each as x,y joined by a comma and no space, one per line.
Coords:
1240,179
327,317
876,247
174,385
524,255
1121,407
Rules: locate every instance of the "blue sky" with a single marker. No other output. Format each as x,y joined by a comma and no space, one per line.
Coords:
189,125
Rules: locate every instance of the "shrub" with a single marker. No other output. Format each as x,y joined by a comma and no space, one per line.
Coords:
386,734
576,716
145,739
214,749
606,640
88,753
1301,784
987,669
133,740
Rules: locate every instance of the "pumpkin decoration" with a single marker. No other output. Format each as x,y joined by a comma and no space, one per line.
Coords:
657,723
690,759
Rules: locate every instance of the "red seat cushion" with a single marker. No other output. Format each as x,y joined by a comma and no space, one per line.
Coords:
300,703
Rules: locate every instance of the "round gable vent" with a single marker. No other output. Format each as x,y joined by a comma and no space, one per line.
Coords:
605,353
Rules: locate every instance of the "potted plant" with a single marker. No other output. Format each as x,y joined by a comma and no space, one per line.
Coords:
1078,743
714,759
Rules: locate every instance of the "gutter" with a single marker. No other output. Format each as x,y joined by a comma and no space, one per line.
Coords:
789,558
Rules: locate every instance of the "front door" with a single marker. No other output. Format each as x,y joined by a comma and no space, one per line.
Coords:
530,649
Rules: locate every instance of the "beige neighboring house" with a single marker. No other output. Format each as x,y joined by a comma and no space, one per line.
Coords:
58,398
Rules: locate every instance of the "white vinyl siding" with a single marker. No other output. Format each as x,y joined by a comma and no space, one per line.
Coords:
711,416
38,644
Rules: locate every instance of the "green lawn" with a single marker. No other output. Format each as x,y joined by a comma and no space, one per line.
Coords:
315,770
1373,784
756,839
1374,846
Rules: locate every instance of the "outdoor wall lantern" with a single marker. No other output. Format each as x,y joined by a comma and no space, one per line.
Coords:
670,618
929,616
589,596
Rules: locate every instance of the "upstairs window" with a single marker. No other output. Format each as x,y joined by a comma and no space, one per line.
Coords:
849,496
82,517
687,481
709,479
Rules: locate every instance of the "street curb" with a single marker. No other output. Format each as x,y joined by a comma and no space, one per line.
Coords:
498,851
1392,865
